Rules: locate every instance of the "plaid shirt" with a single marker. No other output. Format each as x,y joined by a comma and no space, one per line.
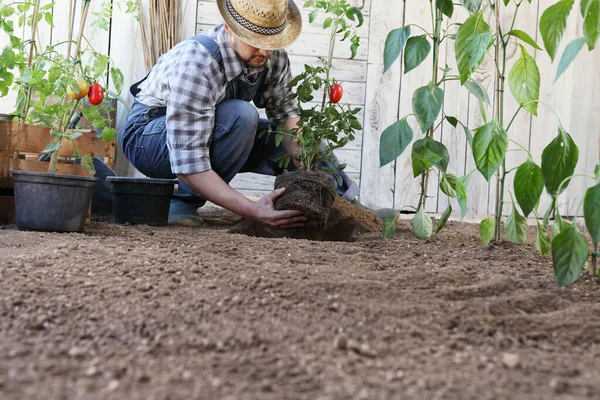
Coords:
190,83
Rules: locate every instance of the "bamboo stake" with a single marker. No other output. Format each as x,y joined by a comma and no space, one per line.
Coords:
33,31
70,32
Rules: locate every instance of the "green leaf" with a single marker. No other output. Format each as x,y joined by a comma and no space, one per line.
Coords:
108,134
597,171
559,160
552,25
49,19
559,224
469,136
516,226
486,230
525,38
542,240
74,135
327,22
569,55
448,185
417,50
477,90
569,254
389,227
427,104
452,121
529,185
473,39
591,212
394,43
52,147
445,6
313,15
88,164
590,10
471,5
489,148
444,219
394,140
427,153
422,225
278,139
461,194
117,79
524,82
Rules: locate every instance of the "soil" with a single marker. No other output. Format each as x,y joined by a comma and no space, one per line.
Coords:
311,192
138,312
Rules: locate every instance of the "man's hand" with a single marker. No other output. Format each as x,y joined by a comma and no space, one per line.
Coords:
211,187
266,213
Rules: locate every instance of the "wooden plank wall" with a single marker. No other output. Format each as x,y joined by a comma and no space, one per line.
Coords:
573,96
386,97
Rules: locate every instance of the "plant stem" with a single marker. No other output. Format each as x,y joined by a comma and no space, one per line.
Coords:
436,17
594,266
500,84
334,29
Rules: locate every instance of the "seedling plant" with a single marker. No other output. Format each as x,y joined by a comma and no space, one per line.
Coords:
489,143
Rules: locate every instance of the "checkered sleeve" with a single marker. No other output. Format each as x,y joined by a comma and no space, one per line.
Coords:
190,118
273,97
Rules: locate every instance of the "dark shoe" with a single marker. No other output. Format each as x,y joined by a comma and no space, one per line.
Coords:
184,214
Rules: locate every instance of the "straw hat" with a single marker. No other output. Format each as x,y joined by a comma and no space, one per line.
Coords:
265,24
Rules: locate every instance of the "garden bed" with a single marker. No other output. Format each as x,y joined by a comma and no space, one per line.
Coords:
138,312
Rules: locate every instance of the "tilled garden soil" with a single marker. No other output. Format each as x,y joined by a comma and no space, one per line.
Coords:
135,312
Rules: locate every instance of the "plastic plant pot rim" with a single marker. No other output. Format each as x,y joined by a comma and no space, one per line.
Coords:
127,179
34,174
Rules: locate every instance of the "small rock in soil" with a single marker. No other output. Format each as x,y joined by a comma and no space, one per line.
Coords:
559,385
340,342
113,385
511,360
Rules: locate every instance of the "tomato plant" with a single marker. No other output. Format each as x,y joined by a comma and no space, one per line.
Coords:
329,122
96,94
335,93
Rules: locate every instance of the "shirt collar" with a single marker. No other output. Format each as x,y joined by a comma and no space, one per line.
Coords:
233,65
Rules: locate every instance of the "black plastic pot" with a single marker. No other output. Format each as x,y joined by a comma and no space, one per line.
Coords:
141,200
52,202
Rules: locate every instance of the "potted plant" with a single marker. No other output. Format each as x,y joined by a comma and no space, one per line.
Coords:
322,128
55,88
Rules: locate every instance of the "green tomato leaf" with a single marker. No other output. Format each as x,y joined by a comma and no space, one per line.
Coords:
559,160
569,55
422,225
597,171
452,121
489,148
516,226
542,240
443,219
74,135
552,25
524,82
591,212
525,38
52,147
313,15
108,134
394,140
529,185
427,104
427,153
569,254
389,227
394,44
473,39
417,50
461,194
477,90
117,79
471,5
486,230
445,6
88,164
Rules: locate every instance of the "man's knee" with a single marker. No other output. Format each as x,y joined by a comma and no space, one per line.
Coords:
237,118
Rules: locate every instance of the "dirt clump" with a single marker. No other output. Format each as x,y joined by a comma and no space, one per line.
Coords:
311,192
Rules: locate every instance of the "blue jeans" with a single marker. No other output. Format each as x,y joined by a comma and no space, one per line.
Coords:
236,145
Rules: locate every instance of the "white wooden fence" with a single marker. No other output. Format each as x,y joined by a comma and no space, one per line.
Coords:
386,97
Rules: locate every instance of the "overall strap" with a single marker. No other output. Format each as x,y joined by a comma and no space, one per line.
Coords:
205,41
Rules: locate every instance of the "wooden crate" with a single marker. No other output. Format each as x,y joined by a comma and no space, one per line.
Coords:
20,147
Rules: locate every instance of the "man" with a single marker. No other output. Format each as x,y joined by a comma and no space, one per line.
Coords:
192,119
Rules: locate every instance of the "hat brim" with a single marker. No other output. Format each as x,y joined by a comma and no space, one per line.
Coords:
266,42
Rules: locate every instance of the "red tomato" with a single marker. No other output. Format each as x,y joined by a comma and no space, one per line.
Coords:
335,93
96,94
